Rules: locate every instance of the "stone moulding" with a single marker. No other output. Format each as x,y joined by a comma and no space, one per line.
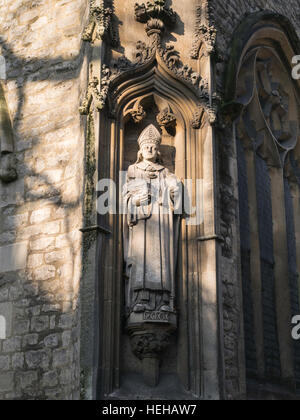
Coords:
94,95
100,23
205,31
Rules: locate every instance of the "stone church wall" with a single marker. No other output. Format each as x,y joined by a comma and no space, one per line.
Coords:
41,212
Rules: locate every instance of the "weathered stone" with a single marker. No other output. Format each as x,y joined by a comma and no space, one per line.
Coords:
16,222
42,244
27,379
66,321
34,310
18,361
51,340
58,256
52,322
40,216
37,359
4,363
13,257
21,327
50,228
30,340
45,272
40,323
66,376
66,338
50,379
61,357
11,345
35,260
6,381
51,308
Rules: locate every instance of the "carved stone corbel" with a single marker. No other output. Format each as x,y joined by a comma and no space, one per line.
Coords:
166,120
148,346
135,111
204,114
138,114
198,118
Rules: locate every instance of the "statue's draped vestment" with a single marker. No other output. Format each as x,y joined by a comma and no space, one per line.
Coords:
150,236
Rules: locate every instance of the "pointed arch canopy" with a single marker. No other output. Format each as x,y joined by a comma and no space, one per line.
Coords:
154,76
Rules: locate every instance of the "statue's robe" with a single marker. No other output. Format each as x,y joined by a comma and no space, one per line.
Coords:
151,233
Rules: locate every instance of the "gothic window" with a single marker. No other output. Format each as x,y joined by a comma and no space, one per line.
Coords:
267,141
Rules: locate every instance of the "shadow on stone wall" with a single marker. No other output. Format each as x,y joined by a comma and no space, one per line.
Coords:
40,359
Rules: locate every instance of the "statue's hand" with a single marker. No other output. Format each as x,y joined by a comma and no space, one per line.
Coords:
174,192
141,200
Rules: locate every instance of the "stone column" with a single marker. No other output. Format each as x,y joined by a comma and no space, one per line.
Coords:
94,234
209,272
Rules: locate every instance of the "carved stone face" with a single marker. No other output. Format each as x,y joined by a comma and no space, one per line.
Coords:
150,151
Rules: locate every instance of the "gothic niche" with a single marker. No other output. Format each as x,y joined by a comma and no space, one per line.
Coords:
152,328
266,113
151,231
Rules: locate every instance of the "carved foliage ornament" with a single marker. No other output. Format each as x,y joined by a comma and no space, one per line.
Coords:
157,17
205,31
100,23
150,343
146,13
166,118
94,95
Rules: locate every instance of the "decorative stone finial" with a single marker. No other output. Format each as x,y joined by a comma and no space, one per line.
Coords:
156,15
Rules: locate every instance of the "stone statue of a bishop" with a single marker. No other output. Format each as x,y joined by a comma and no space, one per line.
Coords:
152,197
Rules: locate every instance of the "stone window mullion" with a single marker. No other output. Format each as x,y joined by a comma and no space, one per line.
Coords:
255,266
281,271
